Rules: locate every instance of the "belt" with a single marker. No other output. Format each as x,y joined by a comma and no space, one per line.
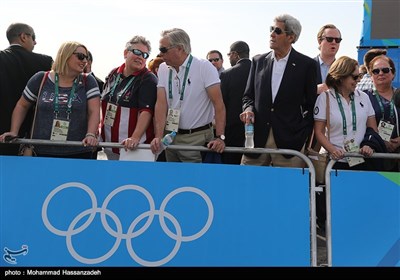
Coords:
193,130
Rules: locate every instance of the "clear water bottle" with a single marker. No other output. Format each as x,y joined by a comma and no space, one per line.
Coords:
167,140
249,134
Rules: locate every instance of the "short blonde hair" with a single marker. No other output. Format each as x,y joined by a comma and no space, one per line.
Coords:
64,53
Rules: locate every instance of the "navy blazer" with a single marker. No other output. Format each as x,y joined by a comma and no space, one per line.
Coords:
17,66
233,84
291,114
319,76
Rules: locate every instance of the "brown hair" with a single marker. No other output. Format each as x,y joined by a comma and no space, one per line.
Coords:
154,64
341,68
383,57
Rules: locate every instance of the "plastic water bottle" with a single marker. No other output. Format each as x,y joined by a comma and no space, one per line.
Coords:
167,140
249,134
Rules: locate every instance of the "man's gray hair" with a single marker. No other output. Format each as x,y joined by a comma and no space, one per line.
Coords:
178,37
292,25
138,40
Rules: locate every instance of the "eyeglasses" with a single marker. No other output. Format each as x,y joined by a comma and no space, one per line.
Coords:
165,49
213,59
330,39
384,70
32,35
137,52
277,30
81,56
358,76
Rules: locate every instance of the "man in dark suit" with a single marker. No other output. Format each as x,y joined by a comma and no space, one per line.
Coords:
280,95
233,84
18,64
88,69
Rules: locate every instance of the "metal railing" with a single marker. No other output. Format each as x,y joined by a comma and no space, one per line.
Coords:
329,168
308,162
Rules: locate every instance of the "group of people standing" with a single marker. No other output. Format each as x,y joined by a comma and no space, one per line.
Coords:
283,92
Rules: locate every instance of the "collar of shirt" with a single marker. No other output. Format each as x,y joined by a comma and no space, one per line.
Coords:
284,58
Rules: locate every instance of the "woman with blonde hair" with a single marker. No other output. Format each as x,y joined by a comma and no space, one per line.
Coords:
67,97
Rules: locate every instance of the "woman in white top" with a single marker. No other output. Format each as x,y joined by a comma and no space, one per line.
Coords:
350,113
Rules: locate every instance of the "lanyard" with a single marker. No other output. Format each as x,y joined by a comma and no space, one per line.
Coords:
184,79
128,84
353,113
391,104
70,98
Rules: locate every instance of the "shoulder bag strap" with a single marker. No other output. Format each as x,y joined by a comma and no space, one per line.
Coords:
37,100
328,126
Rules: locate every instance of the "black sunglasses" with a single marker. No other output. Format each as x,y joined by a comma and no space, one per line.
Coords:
277,30
32,35
213,59
137,52
384,70
330,39
165,49
81,56
356,77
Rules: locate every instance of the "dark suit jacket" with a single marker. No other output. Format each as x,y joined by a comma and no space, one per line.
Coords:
100,83
233,84
17,66
291,115
319,76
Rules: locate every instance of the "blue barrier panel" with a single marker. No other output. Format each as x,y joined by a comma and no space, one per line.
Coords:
365,219
63,212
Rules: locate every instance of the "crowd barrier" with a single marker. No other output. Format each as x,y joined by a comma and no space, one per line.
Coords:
286,179
257,216
363,216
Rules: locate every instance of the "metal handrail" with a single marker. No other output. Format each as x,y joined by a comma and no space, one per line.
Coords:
328,170
205,149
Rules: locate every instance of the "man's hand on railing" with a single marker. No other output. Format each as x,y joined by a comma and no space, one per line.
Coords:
7,137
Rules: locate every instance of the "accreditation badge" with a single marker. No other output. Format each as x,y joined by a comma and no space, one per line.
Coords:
351,147
173,120
59,130
110,114
385,130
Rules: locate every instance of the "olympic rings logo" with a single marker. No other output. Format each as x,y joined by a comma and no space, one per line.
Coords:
132,232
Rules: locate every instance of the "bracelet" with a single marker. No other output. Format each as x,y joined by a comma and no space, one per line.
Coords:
90,135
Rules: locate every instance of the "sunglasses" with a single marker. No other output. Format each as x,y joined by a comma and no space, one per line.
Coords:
384,70
213,59
137,52
81,56
277,30
165,49
330,39
32,35
358,76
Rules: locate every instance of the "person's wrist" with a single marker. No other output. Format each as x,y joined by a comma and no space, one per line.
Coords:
220,137
90,135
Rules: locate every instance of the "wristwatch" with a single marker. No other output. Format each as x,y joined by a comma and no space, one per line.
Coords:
222,137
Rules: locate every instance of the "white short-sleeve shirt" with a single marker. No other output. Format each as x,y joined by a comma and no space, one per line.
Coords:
196,108
364,110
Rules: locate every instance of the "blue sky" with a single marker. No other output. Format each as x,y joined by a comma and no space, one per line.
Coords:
104,26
